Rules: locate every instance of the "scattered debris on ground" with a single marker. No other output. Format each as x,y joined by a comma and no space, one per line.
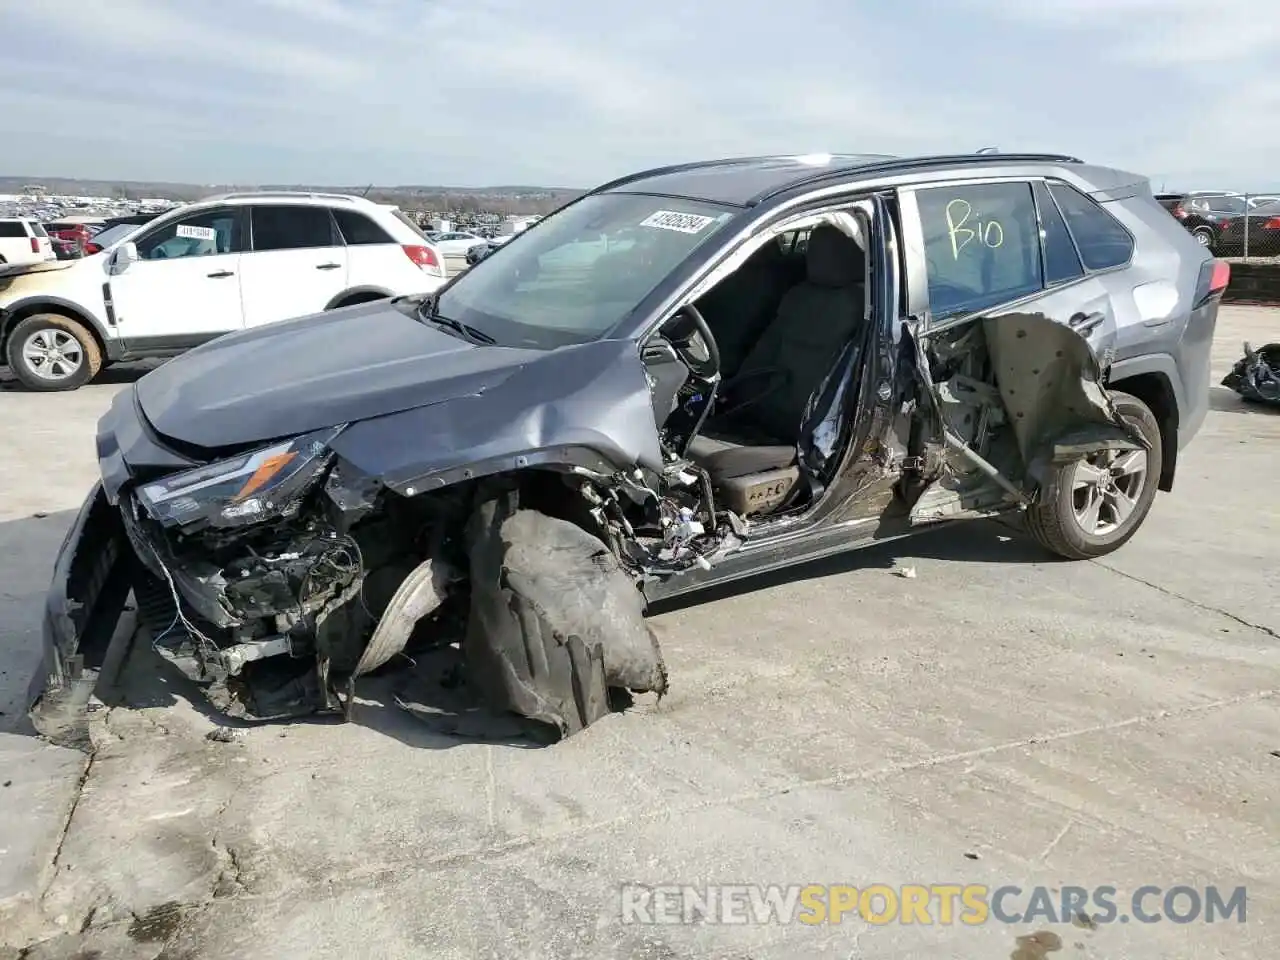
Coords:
1256,375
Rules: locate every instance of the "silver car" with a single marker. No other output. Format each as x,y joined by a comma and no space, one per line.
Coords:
687,376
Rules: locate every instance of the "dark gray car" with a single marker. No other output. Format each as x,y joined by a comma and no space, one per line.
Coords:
687,376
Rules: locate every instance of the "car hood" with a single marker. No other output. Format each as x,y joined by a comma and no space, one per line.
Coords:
288,378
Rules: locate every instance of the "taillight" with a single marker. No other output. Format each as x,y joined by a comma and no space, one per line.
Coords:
1214,277
1220,276
91,247
35,244
423,257
1179,212
1272,224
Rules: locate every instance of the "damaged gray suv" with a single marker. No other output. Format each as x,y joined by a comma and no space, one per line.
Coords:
687,376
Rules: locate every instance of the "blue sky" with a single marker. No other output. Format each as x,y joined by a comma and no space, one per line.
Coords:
572,92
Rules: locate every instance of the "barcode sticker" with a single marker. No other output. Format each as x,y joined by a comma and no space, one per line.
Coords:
680,222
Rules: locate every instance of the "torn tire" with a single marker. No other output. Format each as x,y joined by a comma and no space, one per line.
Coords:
555,620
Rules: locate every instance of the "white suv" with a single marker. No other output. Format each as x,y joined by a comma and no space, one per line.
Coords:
24,241
202,270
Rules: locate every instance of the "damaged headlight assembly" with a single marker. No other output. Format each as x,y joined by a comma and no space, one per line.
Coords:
259,485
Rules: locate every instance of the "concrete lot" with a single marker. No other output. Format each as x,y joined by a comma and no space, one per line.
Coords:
1000,719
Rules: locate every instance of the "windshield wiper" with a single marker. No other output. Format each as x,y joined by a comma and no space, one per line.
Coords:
427,312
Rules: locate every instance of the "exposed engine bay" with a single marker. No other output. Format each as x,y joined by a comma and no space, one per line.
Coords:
279,617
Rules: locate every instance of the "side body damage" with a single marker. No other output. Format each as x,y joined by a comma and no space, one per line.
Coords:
275,579
503,473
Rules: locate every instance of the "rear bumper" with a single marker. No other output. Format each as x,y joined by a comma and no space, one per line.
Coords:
91,582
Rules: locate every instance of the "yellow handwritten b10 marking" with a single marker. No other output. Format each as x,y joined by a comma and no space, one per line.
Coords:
987,232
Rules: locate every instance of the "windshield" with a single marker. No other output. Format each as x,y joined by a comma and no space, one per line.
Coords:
574,275
110,235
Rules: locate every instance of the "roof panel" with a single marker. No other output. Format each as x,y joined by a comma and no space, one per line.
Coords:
746,180
739,181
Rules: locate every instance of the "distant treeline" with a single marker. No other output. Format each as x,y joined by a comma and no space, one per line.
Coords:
499,200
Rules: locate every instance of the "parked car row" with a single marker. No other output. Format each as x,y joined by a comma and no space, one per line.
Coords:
24,241
1228,223
178,280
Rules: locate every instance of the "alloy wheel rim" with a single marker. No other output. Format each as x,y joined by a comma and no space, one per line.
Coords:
1106,489
53,354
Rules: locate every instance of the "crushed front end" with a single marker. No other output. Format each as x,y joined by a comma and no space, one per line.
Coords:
246,570
273,577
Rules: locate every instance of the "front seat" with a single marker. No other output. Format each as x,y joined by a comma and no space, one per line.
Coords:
751,454
740,307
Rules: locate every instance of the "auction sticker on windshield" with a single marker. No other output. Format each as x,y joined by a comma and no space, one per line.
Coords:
680,222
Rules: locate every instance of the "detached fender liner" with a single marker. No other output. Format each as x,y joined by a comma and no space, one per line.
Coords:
555,620
92,577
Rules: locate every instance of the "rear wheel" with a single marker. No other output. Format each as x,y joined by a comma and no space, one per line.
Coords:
1093,506
1203,235
49,352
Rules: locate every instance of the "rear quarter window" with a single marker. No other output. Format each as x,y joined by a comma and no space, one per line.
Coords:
1102,241
38,229
1061,260
359,230
408,222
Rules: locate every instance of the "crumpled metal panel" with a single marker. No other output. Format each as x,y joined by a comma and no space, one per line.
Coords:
1051,386
1256,375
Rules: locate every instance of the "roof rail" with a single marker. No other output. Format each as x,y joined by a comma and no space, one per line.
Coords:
727,161
279,194
916,163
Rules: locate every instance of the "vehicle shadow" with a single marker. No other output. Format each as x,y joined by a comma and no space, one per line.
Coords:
969,541
121,373
410,700
420,701
115,375
1226,400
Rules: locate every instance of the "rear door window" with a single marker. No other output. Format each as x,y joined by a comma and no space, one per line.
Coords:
11,228
982,245
359,230
1102,240
292,227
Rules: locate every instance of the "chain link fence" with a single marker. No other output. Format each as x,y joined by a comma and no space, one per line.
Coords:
1233,225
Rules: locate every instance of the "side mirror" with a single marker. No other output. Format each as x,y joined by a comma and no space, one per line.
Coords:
124,255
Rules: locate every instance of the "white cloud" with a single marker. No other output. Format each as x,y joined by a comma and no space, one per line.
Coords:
573,91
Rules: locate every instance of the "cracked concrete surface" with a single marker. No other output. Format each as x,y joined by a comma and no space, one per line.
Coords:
1001,719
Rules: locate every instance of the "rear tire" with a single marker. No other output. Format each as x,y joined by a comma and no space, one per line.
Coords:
1204,236
1092,507
32,343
